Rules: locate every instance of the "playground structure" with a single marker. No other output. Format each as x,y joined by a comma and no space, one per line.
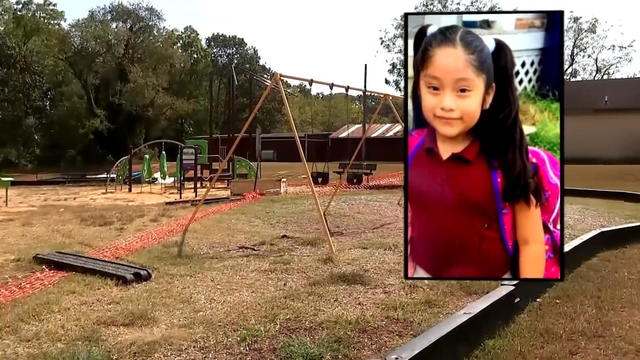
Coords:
276,83
192,157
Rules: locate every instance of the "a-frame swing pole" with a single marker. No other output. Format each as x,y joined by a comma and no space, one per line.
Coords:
338,85
395,112
401,123
306,166
355,153
229,154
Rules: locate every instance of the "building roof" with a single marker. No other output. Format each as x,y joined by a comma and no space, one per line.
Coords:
607,94
373,130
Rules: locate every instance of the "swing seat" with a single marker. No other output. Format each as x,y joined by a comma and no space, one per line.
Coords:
356,172
320,177
354,178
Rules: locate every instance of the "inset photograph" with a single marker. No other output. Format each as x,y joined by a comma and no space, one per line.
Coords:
483,172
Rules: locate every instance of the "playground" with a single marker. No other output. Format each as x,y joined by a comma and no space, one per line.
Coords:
258,274
255,282
313,271
264,277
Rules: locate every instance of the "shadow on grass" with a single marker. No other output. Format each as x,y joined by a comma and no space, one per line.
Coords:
298,349
75,353
343,278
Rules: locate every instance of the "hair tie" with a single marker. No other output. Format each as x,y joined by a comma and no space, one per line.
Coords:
490,42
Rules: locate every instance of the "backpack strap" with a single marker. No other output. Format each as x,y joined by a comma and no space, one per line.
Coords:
496,180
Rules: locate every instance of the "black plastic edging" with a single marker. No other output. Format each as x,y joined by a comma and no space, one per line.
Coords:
459,334
125,273
628,196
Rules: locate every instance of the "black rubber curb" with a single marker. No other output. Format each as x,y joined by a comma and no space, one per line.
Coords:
57,182
461,333
122,272
628,196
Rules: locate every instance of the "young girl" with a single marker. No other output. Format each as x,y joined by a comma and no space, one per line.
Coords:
465,100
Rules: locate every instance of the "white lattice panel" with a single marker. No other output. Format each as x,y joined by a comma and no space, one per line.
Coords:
527,71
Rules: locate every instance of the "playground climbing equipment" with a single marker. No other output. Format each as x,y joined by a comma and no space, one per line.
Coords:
123,168
243,166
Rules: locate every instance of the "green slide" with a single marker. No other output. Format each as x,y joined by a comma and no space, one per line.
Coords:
240,163
147,174
163,165
122,172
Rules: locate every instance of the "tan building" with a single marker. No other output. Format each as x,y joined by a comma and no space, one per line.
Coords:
602,121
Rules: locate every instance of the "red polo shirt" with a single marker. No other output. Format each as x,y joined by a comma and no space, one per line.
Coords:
454,222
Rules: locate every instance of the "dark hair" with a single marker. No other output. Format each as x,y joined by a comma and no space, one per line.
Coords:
499,129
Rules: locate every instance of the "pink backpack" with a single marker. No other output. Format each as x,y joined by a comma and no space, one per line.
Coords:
547,168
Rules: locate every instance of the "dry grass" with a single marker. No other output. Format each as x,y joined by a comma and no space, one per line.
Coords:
246,291
256,283
78,228
600,213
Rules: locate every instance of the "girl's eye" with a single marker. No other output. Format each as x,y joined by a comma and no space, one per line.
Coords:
432,88
464,91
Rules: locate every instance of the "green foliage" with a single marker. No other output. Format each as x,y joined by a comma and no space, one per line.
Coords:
82,94
323,112
78,96
544,114
27,96
550,106
547,136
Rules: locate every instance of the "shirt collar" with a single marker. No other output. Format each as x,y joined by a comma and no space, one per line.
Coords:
469,153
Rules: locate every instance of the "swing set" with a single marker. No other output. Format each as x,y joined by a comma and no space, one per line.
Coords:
276,84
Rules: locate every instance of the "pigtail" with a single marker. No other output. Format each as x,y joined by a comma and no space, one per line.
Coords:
419,121
501,134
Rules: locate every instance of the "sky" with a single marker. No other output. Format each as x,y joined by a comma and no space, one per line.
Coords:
331,40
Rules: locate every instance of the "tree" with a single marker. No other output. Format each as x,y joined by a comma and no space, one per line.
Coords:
27,84
590,53
117,77
392,41
125,60
225,51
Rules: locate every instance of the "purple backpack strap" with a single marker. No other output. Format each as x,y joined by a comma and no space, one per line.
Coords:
504,219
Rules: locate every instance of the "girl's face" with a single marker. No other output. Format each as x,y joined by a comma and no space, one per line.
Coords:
453,93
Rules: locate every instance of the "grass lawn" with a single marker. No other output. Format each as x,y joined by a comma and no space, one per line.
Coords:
72,228
255,284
